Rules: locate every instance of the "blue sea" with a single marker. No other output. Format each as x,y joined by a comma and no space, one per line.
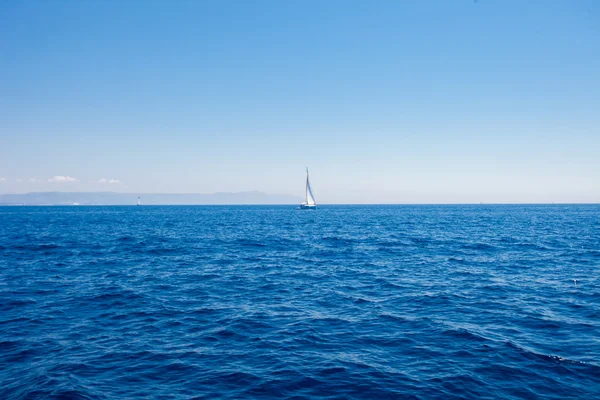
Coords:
346,302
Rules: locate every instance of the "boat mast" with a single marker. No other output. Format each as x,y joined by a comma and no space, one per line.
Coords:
306,194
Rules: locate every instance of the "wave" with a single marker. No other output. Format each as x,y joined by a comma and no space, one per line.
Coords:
359,302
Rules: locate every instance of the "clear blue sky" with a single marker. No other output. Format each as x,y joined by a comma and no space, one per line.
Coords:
385,101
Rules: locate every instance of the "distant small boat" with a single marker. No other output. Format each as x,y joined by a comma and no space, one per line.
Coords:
138,202
309,203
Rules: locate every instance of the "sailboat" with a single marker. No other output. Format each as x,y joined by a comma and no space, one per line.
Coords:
309,203
138,202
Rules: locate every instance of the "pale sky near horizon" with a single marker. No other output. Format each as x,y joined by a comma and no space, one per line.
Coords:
385,102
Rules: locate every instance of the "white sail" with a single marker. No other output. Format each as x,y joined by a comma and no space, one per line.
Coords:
310,198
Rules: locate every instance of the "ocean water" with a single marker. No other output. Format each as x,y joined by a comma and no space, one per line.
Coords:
358,302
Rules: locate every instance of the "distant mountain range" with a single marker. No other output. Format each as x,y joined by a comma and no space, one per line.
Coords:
112,198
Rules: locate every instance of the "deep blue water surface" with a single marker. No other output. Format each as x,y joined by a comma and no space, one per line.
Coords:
365,302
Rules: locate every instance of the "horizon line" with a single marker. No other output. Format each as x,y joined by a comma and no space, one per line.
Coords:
294,204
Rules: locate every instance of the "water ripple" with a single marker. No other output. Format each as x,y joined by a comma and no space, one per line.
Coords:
442,302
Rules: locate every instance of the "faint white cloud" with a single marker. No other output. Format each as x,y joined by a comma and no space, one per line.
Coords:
62,179
109,181
32,180
19,180
3,180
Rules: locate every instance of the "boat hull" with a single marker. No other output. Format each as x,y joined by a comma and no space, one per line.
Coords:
307,207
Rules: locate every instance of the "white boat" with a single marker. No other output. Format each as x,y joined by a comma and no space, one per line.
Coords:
309,203
138,202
